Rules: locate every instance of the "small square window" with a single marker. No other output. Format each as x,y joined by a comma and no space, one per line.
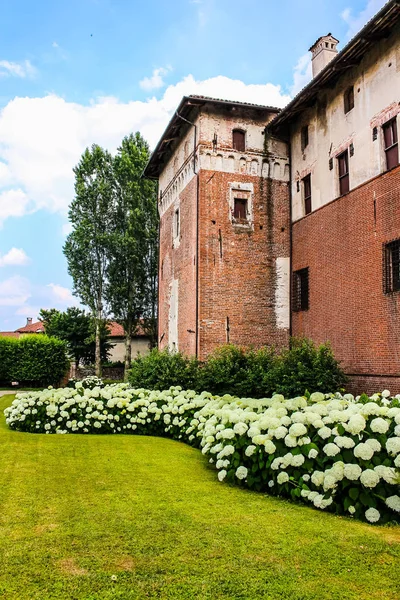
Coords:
240,209
391,260
300,290
349,99
304,137
390,139
307,194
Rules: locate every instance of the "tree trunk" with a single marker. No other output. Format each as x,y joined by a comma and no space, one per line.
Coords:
128,353
98,351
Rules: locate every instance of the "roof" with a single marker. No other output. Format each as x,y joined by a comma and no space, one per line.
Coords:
37,327
116,330
9,334
379,27
179,122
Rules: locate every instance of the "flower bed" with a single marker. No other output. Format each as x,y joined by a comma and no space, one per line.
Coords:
331,451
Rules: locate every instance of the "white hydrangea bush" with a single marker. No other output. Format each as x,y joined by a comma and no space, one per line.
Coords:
333,452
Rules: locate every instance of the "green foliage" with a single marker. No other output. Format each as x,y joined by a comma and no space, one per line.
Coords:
245,373
307,367
33,359
77,329
235,370
161,370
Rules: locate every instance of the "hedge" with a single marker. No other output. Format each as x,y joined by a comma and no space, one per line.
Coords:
35,359
243,372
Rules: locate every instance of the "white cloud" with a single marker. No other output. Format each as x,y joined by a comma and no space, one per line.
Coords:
63,295
16,257
42,139
17,69
302,73
13,203
55,45
356,22
156,81
14,291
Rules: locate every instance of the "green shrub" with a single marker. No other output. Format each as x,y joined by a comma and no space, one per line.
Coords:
161,370
307,367
244,373
33,359
234,370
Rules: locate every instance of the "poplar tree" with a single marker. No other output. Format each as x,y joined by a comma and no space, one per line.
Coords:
87,246
131,289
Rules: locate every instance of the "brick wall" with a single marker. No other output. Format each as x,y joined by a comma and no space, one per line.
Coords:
342,244
179,264
237,267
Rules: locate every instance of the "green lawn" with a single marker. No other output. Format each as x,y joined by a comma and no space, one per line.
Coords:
76,510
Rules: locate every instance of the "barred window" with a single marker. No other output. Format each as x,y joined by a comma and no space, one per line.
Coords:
300,290
391,258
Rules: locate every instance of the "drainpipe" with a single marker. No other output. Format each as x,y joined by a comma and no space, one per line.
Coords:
290,243
197,225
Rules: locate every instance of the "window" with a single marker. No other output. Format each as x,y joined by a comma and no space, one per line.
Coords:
344,181
239,140
392,267
349,99
176,224
300,290
307,194
240,209
391,144
304,137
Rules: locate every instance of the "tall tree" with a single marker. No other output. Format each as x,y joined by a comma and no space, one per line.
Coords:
77,329
132,269
86,247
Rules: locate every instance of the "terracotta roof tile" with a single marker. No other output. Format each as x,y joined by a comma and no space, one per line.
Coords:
37,327
11,334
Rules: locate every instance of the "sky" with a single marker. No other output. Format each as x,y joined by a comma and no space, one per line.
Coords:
92,71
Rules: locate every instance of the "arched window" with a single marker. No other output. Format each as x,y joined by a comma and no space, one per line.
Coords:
239,140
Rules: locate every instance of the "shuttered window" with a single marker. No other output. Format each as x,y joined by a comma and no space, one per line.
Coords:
240,209
391,144
307,194
392,267
344,180
300,290
239,140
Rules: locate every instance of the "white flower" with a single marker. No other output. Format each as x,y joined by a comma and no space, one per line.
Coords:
297,430
393,445
280,432
317,478
363,451
282,478
324,432
271,483
385,394
393,502
351,510
297,460
221,475
379,425
331,449
356,424
369,478
269,447
344,442
306,477
388,474
372,515
290,441
250,450
241,473
313,453
375,445
352,471
240,428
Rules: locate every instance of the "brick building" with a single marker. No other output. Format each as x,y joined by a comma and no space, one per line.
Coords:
255,247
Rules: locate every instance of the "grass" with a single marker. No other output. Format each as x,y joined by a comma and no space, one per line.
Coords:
76,510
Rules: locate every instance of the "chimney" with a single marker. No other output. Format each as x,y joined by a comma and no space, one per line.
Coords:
29,321
323,51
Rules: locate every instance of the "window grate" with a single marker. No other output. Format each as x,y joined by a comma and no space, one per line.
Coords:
301,290
391,260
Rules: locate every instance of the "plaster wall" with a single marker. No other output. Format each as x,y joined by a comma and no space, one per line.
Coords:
376,82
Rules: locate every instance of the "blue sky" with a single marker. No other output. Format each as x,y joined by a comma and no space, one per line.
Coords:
84,71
